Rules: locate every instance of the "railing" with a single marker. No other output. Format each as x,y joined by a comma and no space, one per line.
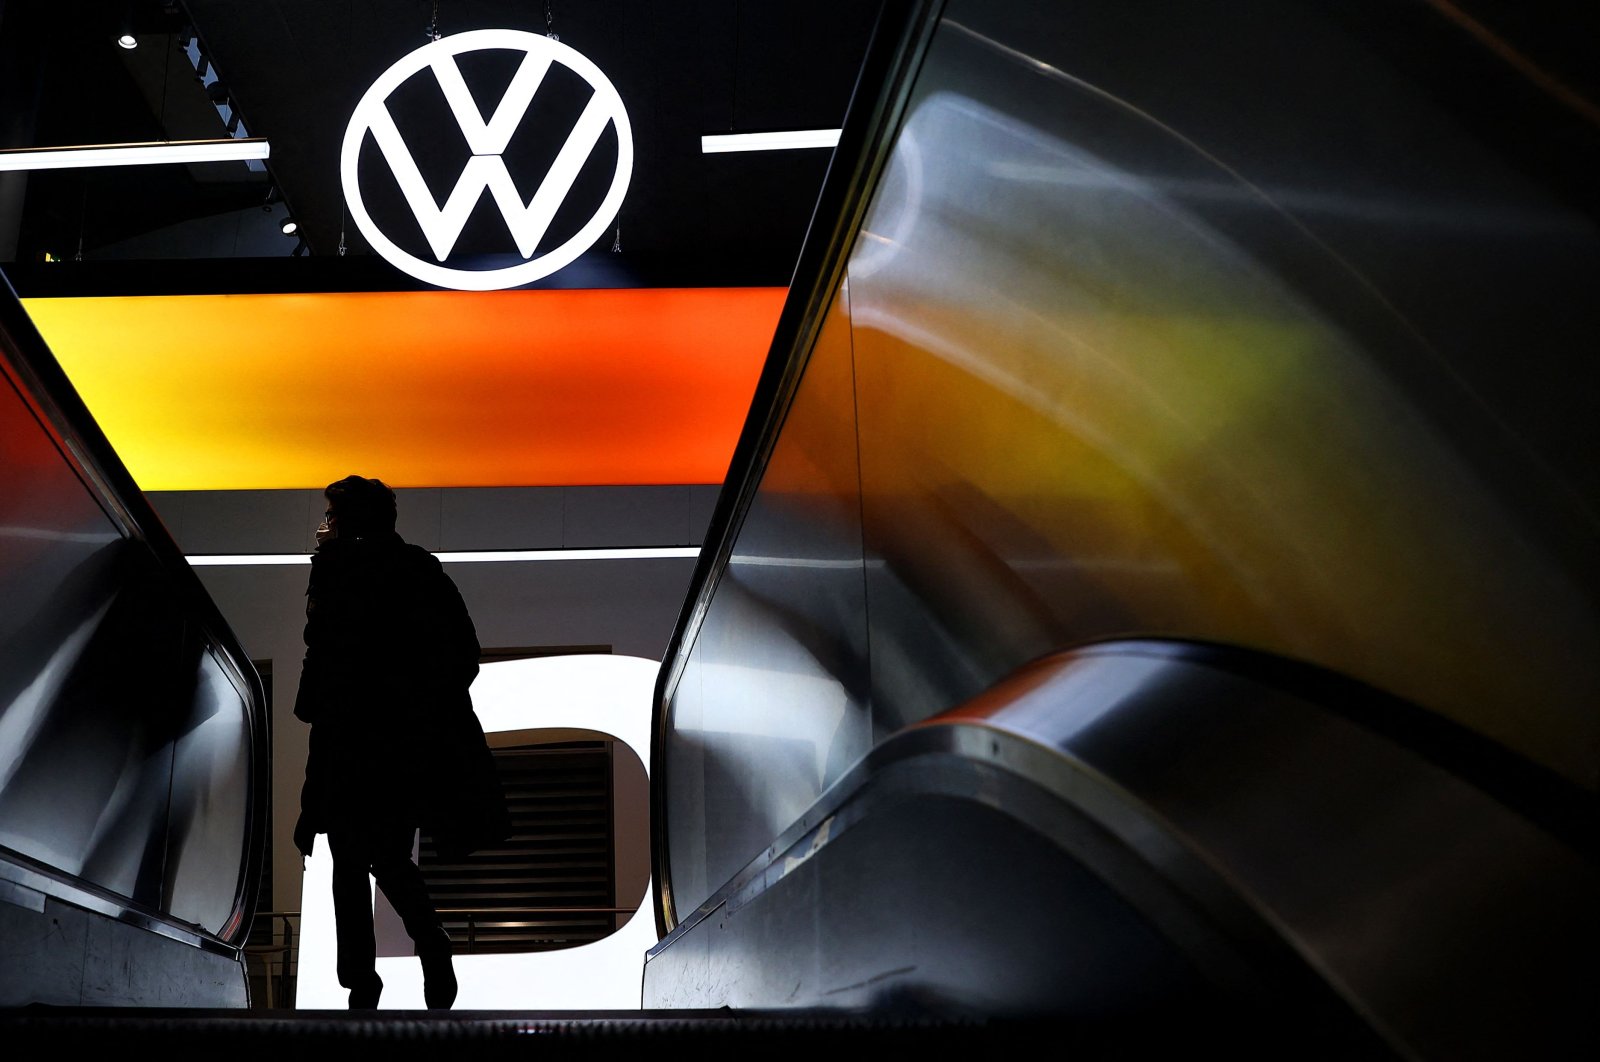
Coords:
472,923
278,951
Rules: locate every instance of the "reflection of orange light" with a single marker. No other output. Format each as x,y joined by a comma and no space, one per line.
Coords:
521,388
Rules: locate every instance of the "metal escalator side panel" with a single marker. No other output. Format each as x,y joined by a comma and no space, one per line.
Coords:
1144,830
1150,339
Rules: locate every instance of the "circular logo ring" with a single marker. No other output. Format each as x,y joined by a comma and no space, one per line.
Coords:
371,113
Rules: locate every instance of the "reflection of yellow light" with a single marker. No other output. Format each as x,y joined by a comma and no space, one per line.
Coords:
520,388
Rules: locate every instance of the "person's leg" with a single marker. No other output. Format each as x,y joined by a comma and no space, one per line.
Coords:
352,916
402,882
407,893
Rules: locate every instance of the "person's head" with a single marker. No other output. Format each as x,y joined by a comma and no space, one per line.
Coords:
358,507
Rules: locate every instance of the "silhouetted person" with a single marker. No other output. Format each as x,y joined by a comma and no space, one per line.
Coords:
390,653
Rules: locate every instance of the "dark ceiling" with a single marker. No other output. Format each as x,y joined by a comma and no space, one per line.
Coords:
292,71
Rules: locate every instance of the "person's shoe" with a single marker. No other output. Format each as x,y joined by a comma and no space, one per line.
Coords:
438,974
365,997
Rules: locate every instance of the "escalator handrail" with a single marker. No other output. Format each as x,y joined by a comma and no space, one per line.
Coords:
898,43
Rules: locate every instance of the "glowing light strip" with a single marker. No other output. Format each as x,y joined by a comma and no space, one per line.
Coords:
66,158
782,141
645,553
480,557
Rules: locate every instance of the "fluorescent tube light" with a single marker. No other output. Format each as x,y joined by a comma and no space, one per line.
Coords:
788,139
484,556
648,553
147,154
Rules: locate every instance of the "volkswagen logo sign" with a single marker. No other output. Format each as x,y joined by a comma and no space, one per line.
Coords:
486,170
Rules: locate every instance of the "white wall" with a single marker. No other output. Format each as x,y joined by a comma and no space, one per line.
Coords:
630,605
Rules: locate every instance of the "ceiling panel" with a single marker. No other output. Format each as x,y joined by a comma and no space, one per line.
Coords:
520,388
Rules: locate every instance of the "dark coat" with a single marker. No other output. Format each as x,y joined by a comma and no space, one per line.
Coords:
390,654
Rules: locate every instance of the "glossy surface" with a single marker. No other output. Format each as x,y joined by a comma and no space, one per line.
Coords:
59,552
85,726
210,804
1141,825
1107,386
129,732
793,700
1463,928
1151,339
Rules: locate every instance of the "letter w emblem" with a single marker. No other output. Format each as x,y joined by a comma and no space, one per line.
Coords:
486,169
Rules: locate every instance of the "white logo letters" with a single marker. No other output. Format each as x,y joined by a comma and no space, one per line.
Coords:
486,169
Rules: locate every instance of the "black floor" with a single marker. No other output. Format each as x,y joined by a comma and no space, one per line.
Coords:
60,1034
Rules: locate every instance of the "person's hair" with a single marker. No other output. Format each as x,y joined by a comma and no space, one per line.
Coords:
363,506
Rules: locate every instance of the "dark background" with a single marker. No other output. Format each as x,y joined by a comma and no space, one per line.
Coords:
292,72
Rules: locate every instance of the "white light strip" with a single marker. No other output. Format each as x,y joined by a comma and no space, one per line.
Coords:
642,553
645,553
66,158
792,138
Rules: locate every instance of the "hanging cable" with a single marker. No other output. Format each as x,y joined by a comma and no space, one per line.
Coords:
349,36
733,95
166,76
83,212
432,32
550,23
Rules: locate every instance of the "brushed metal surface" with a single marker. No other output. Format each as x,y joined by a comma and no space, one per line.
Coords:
1125,360
1233,325
57,550
130,964
1138,825
777,677
1109,384
87,786
210,813
132,751
1459,927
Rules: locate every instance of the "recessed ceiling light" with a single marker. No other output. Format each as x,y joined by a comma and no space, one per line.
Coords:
289,226
128,41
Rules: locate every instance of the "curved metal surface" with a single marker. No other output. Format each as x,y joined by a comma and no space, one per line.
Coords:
892,57
1264,326
1140,338
1235,841
1456,925
133,755
1134,370
799,695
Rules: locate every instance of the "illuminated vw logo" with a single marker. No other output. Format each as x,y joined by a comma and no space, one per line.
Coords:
486,170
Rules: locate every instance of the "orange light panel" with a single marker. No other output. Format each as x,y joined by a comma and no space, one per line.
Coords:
434,388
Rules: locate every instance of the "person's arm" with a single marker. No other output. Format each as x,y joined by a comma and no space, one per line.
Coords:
460,636
452,640
325,638
311,695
